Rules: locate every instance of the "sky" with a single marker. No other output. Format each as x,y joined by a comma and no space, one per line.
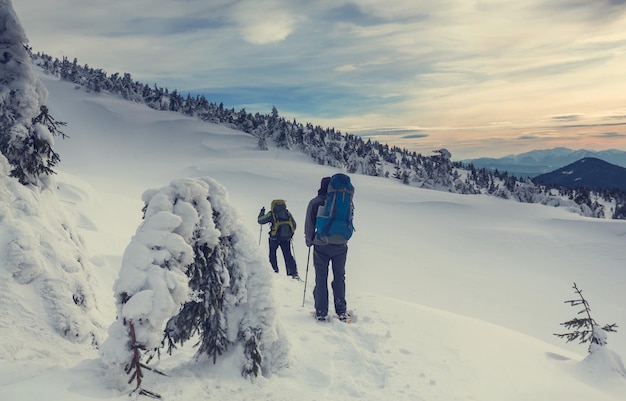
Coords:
456,297
480,78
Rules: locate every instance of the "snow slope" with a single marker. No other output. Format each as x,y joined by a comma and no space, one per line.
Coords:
457,296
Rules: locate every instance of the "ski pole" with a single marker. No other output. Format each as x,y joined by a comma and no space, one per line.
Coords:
306,275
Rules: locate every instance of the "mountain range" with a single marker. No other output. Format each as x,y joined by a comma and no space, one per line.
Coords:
537,162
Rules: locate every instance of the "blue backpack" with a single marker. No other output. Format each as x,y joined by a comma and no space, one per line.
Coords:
333,224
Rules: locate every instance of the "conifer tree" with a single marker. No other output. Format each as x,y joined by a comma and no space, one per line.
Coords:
585,329
192,271
26,127
262,142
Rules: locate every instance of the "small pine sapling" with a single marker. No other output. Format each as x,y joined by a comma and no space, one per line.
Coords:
585,329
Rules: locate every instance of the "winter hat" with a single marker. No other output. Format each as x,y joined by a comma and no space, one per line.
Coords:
324,186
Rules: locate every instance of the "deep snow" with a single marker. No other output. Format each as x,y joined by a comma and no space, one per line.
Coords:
457,296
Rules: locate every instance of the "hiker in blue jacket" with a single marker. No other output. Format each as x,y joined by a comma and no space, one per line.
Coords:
323,254
282,228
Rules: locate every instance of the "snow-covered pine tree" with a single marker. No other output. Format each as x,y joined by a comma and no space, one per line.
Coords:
26,128
192,270
44,258
585,329
262,142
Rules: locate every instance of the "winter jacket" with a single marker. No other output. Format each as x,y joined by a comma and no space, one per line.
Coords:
311,215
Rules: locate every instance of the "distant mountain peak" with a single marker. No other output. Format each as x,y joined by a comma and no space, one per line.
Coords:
588,172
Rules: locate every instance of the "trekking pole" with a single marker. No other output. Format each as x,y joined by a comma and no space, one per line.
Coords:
262,212
293,251
306,275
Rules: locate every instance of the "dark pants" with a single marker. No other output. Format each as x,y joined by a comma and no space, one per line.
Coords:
285,247
322,256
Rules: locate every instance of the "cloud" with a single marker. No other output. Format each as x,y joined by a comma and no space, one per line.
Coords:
591,125
352,13
170,26
400,132
597,11
611,135
265,22
571,117
347,68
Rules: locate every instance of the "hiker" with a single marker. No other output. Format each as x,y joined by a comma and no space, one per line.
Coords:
328,249
282,228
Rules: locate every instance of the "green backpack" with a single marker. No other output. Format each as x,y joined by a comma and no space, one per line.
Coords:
283,227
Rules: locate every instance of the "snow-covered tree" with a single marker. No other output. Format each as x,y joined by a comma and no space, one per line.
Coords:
585,329
44,258
193,270
26,128
262,142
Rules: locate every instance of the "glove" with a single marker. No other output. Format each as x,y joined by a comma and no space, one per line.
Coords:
308,243
262,212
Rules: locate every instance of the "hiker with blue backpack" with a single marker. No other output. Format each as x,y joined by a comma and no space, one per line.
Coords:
282,227
328,227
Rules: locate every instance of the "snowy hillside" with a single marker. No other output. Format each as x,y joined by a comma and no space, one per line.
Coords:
457,296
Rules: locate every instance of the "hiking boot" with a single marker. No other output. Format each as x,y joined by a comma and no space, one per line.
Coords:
321,317
342,317
295,276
